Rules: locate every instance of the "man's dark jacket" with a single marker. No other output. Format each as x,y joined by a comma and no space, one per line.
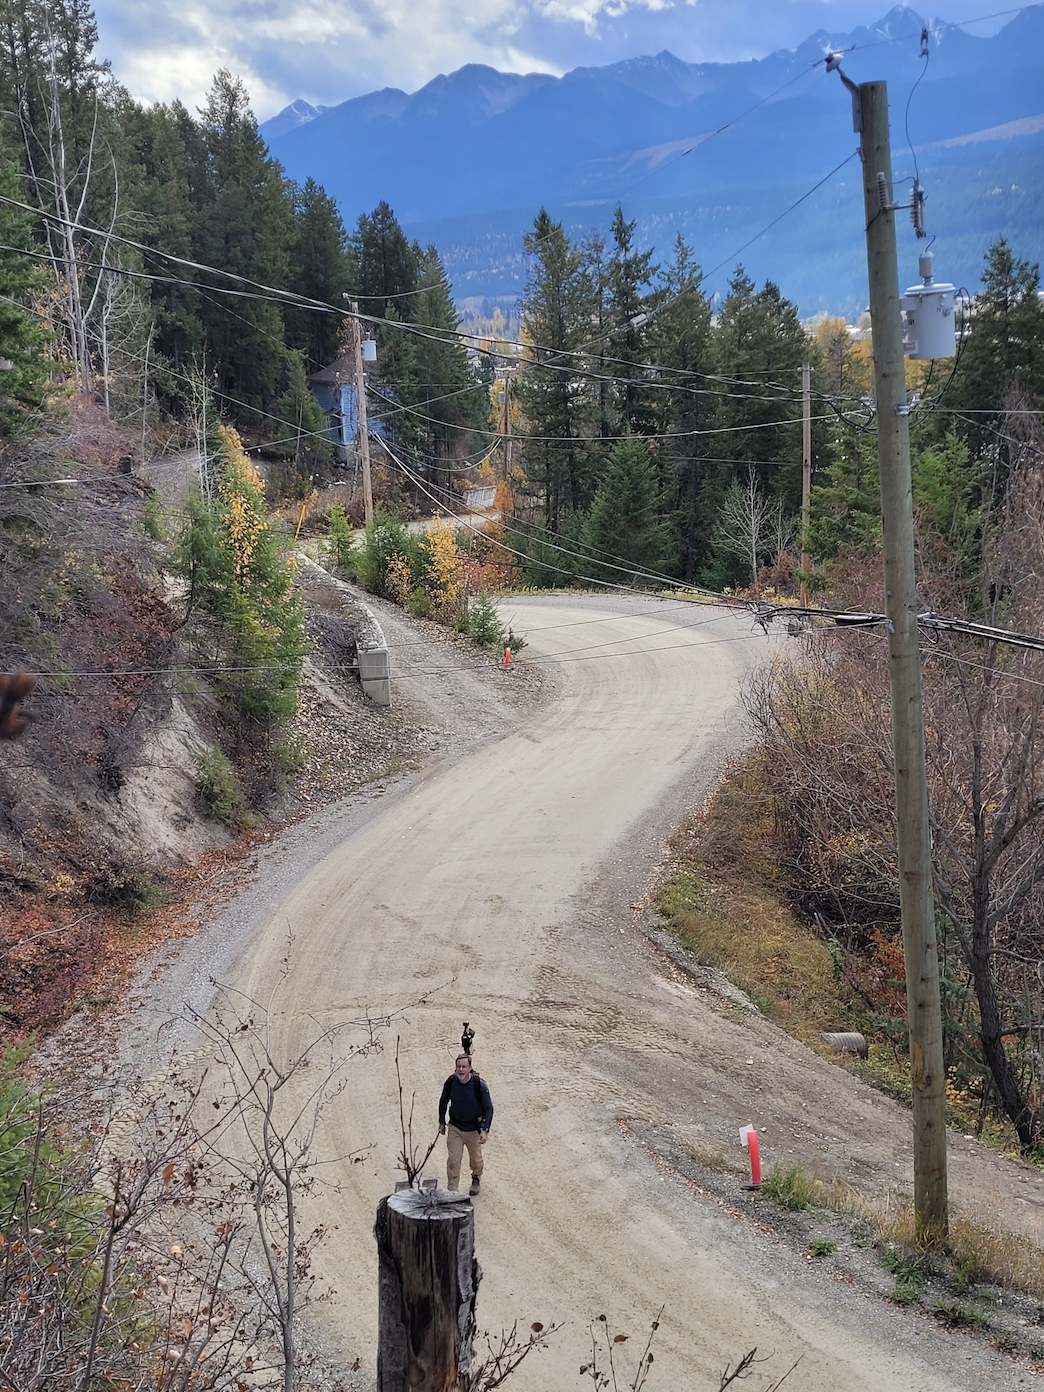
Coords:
470,1105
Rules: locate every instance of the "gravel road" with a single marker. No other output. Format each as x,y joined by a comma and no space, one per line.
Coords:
507,884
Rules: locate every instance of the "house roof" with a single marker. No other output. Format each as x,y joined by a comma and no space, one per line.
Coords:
342,369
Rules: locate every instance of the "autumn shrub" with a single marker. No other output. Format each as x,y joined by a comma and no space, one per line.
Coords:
386,537
443,570
726,902
119,884
400,579
340,538
218,787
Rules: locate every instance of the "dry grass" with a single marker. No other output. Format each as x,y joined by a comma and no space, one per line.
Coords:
974,1252
725,905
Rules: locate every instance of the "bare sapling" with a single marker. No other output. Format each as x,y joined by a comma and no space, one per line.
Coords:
601,1367
503,1358
745,1366
102,1279
409,1158
273,1103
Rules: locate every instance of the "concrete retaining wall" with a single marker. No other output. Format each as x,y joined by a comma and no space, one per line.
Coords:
374,658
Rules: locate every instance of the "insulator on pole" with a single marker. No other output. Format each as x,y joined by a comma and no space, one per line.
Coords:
917,210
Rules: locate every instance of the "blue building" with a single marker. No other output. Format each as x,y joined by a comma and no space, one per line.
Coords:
334,389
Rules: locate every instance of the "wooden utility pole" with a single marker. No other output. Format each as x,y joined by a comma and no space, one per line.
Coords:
507,424
806,473
360,408
924,1013
427,1286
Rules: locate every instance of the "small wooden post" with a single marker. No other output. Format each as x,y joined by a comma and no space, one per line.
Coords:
427,1286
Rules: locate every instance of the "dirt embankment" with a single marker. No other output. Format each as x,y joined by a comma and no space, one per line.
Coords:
104,839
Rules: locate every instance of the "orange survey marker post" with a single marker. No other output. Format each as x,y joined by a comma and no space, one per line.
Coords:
749,1138
507,658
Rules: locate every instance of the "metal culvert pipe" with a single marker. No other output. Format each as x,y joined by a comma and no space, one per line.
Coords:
846,1042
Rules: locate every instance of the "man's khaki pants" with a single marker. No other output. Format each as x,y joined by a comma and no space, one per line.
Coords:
455,1143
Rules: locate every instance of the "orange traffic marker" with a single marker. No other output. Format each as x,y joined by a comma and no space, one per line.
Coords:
749,1138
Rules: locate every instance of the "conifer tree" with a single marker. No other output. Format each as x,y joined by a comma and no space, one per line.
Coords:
298,420
556,307
447,403
681,342
384,271
22,337
1002,363
385,266
629,274
229,555
624,524
169,149
320,270
246,228
761,348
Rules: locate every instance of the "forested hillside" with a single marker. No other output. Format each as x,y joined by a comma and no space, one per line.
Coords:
166,293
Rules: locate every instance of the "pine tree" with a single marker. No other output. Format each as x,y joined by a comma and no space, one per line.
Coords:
169,148
22,337
624,525
555,307
761,348
246,228
449,405
1002,362
230,557
629,274
385,267
300,421
682,344
384,271
320,270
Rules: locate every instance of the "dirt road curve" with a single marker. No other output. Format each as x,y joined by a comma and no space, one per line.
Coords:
504,884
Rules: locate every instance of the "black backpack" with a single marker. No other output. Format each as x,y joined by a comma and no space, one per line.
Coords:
480,1101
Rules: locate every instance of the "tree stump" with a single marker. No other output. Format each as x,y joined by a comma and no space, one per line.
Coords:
427,1286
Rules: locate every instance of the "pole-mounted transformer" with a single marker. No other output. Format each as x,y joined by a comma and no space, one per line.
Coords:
931,325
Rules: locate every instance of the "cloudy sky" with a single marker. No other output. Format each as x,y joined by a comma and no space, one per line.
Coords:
329,50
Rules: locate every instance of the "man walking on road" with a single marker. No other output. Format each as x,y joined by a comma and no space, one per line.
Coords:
470,1117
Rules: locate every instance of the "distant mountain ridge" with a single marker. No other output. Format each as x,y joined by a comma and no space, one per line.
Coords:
712,150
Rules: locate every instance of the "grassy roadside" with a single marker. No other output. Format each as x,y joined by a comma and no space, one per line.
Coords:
724,901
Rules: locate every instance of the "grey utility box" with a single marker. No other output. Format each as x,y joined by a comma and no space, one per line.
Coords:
931,325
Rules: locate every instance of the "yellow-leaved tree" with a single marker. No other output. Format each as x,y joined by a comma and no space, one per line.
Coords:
444,579
233,563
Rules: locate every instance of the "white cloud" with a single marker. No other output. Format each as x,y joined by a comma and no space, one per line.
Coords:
324,51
